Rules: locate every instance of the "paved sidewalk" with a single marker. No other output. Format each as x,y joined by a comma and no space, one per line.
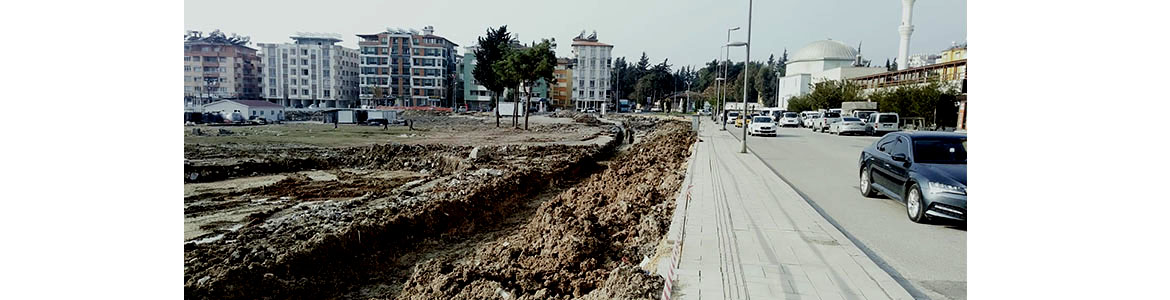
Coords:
748,235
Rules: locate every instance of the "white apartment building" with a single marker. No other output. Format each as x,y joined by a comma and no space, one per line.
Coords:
592,72
310,72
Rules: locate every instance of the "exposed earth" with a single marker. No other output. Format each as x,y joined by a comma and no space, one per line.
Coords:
460,209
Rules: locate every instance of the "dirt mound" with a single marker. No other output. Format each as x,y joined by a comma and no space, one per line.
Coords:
578,241
586,119
323,236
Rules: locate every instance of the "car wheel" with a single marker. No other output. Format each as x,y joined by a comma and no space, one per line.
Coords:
867,183
915,208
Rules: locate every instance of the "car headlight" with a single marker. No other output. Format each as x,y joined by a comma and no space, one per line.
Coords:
936,188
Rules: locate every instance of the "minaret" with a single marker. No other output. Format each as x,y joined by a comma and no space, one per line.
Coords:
905,30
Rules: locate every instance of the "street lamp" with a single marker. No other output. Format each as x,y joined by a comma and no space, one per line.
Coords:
747,67
719,102
722,93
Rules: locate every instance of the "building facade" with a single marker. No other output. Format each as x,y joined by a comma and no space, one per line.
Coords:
476,96
591,72
406,67
820,61
313,71
562,92
217,70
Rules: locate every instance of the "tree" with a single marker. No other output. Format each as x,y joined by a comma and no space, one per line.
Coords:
531,65
829,94
780,65
800,103
493,48
765,85
931,101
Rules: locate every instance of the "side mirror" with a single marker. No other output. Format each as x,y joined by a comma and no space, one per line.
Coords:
900,157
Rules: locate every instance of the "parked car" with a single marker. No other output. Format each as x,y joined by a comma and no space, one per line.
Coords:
257,120
377,122
810,120
805,118
881,123
762,125
863,114
789,119
925,170
739,120
731,116
826,119
847,125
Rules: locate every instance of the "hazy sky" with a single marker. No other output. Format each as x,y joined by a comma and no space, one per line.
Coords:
688,32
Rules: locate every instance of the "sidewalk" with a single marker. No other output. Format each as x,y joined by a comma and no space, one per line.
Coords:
745,234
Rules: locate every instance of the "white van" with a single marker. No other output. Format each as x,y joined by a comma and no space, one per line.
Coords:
881,123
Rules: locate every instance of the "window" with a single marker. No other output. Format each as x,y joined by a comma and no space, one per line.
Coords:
304,52
293,92
325,93
885,144
304,62
305,92
261,112
304,71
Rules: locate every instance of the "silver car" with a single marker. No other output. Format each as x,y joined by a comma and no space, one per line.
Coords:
847,125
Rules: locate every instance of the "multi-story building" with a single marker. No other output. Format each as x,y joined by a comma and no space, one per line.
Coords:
405,67
592,72
562,91
214,68
476,96
313,71
921,60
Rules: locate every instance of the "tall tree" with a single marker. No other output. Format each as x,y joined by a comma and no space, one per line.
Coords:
765,84
533,64
493,48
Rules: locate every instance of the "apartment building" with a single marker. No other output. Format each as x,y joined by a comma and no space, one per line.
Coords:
591,72
312,71
476,96
214,70
406,67
562,91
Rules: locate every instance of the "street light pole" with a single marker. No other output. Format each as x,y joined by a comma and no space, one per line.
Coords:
723,87
746,67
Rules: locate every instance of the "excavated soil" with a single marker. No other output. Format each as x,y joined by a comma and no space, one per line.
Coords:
582,243
430,221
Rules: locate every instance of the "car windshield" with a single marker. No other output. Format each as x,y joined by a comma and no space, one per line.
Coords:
888,118
832,115
940,150
851,119
733,114
790,115
762,119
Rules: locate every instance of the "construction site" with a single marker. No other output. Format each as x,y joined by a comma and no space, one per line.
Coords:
573,207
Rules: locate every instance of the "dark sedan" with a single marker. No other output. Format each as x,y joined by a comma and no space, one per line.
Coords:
925,170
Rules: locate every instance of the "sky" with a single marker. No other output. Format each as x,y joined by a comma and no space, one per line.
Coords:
688,32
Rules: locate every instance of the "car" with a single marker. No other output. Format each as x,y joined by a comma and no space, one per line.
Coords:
826,119
847,125
881,123
591,110
377,122
789,119
863,114
809,119
762,125
731,116
257,120
927,171
739,120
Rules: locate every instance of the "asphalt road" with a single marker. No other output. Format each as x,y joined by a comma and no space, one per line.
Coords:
931,258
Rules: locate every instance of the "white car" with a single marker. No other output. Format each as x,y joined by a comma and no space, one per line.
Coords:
789,119
822,123
810,119
762,125
731,116
847,125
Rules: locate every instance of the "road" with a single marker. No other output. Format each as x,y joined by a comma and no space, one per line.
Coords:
823,167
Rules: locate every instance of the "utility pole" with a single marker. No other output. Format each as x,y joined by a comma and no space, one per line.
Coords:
747,62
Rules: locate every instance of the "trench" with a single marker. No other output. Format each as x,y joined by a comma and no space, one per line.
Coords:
377,257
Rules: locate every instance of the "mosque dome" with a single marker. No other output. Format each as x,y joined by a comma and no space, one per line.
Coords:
826,49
